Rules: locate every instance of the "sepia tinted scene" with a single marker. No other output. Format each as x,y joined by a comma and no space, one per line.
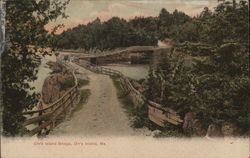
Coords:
113,68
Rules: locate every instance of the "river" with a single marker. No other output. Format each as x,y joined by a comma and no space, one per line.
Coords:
136,72
43,73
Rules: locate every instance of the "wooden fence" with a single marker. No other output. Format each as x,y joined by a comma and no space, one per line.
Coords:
156,112
46,118
138,98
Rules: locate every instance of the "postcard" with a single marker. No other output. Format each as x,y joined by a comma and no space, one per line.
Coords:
124,79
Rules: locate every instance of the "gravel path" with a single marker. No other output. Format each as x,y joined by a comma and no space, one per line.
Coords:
102,115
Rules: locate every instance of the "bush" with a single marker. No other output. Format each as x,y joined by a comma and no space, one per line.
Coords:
139,115
169,133
68,84
82,82
84,95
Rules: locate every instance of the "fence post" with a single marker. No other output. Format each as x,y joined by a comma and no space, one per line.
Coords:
71,98
39,114
52,125
64,108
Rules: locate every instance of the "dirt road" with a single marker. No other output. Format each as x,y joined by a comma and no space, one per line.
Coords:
102,115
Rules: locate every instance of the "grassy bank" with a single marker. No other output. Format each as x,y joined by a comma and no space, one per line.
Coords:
139,115
170,131
84,95
82,82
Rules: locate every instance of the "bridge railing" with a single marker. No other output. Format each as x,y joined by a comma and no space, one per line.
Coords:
46,118
156,112
113,52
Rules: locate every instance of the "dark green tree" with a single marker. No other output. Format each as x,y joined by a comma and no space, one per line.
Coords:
27,41
111,34
216,86
165,18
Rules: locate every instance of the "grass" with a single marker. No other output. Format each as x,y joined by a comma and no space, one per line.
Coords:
82,82
54,72
68,84
139,116
123,97
170,131
84,95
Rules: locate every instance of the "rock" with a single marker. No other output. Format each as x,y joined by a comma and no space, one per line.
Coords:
228,129
214,130
189,117
198,128
56,67
192,126
156,132
52,90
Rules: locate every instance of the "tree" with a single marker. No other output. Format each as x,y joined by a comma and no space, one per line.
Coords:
111,34
180,18
165,18
167,23
216,86
28,39
221,86
206,13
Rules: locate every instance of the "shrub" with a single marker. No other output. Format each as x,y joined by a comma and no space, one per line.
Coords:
82,82
68,84
84,95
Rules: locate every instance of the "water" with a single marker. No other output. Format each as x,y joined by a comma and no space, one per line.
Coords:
136,72
43,73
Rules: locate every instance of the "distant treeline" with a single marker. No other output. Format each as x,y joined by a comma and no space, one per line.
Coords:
117,32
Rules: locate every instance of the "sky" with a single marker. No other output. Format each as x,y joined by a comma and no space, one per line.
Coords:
84,11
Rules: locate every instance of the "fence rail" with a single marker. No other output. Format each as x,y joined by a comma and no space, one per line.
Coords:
48,116
156,112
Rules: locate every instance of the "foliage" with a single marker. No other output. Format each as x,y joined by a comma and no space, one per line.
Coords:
117,32
84,95
216,86
139,116
221,85
25,21
69,83
114,33
167,22
169,131
168,83
227,23
82,82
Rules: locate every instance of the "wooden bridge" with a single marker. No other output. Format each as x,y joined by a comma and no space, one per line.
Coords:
114,52
128,53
